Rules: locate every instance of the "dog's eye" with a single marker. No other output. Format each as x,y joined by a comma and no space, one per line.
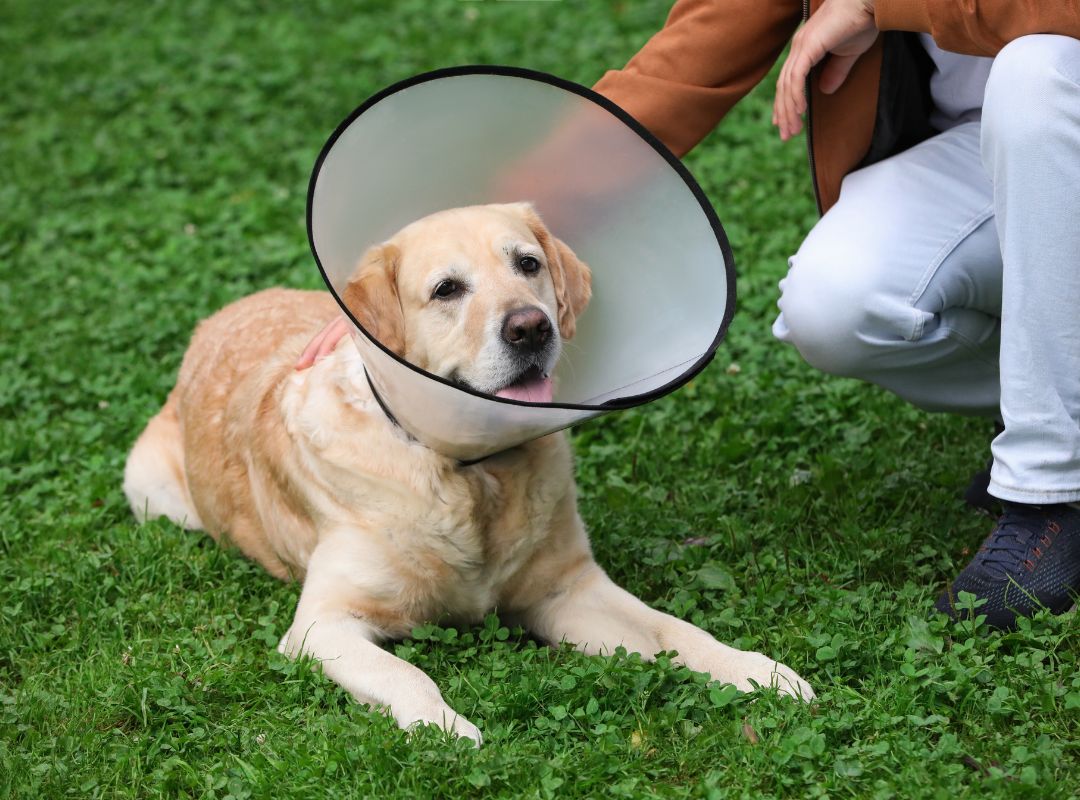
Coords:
447,288
528,264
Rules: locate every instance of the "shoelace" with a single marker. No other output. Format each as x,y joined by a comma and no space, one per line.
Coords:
1012,539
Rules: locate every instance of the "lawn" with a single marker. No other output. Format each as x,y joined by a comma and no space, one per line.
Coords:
154,160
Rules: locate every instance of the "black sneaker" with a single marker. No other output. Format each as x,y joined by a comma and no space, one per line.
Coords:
1030,560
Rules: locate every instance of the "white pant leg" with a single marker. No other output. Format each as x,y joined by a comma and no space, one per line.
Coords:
900,282
1031,150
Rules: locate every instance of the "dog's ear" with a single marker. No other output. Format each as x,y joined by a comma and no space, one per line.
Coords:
372,296
571,277
573,291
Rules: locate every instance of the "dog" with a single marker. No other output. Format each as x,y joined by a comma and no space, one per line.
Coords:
308,476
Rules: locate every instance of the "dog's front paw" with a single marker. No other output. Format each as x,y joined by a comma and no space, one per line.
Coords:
755,668
447,719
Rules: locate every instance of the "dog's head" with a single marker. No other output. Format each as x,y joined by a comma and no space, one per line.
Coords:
481,296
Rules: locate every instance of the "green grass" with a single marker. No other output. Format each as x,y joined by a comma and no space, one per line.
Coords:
153,166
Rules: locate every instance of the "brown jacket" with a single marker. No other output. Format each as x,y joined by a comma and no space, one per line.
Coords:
711,53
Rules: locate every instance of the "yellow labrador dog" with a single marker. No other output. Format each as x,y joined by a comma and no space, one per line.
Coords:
306,474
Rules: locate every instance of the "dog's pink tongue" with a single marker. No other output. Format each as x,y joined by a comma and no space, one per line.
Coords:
535,390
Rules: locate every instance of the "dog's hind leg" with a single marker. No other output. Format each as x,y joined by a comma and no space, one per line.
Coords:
154,478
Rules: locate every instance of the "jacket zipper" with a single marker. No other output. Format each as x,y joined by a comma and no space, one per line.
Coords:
809,121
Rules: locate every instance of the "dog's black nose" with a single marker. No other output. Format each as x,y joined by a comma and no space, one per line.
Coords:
527,328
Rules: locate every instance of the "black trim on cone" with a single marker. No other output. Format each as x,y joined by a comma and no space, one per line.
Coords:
561,83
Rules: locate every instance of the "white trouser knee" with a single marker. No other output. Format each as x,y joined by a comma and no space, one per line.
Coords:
1032,87
825,312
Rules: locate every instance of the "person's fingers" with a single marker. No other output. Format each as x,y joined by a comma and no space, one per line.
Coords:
810,54
323,343
835,72
780,102
794,81
799,73
789,89
795,93
800,99
781,95
785,105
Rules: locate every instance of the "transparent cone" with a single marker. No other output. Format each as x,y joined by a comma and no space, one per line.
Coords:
662,273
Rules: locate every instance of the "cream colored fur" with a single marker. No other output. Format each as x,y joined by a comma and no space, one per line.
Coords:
305,474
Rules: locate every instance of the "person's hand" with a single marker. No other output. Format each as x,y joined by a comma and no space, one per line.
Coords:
840,29
324,343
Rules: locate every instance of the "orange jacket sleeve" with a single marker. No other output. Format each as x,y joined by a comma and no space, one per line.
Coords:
979,27
708,55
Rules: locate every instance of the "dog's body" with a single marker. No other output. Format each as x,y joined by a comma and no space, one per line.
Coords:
308,476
